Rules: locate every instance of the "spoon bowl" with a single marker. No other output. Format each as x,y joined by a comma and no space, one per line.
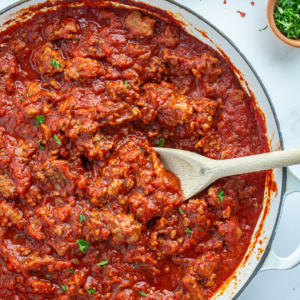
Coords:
196,172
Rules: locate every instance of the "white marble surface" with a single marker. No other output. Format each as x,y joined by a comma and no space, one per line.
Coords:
278,66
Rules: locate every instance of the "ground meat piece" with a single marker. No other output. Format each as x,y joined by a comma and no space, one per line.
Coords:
98,225
116,89
48,60
170,37
172,107
140,26
7,187
93,47
125,295
5,106
8,69
200,273
41,286
64,29
124,229
231,231
10,215
83,70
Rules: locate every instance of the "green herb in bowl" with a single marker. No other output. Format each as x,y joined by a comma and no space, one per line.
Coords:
287,18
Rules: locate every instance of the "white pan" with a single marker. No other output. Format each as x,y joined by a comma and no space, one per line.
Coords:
260,255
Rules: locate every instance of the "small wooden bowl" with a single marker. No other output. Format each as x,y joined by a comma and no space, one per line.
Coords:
270,17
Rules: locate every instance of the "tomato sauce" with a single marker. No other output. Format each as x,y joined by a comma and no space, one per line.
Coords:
87,210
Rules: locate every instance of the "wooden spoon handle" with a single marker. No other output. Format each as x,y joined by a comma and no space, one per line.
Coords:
259,162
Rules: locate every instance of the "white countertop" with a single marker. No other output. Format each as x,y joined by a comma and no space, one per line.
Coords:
278,66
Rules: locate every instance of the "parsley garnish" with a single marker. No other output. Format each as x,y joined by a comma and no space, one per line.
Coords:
263,28
48,275
127,84
41,146
22,100
200,229
142,149
142,293
91,291
71,271
26,263
188,231
57,139
103,263
39,120
83,245
27,95
82,218
63,288
55,63
287,18
94,72
135,105
181,211
160,142
75,40
220,196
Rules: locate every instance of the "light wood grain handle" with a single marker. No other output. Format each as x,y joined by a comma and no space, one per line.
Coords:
260,162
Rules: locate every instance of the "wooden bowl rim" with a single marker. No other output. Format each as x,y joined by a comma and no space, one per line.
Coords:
270,17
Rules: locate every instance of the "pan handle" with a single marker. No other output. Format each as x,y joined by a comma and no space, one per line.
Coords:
273,261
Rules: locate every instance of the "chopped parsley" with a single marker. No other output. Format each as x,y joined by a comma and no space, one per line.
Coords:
189,231
41,146
82,218
71,271
287,18
83,245
161,142
75,40
63,288
94,72
55,63
20,234
91,291
220,196
39,120
103,263
181,211
135,105
200,229
263,28
142,149
48,275
26,263
57,139
22,100
127,84
142,293
27,95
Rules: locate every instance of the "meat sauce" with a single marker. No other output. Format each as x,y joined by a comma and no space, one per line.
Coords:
87,210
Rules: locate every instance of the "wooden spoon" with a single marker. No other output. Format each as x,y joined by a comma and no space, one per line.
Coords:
197,172
270,17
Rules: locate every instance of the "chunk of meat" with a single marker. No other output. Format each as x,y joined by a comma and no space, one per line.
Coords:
83,70
93,47
124,229
116,90
200,274
125,295
172,108
170,37
5,106
41,286
7,187
10,215
48,60
140,26
98,225
8,69
231,231
67,28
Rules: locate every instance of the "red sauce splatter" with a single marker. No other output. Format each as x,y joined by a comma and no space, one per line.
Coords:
252,3
241,13
225,1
